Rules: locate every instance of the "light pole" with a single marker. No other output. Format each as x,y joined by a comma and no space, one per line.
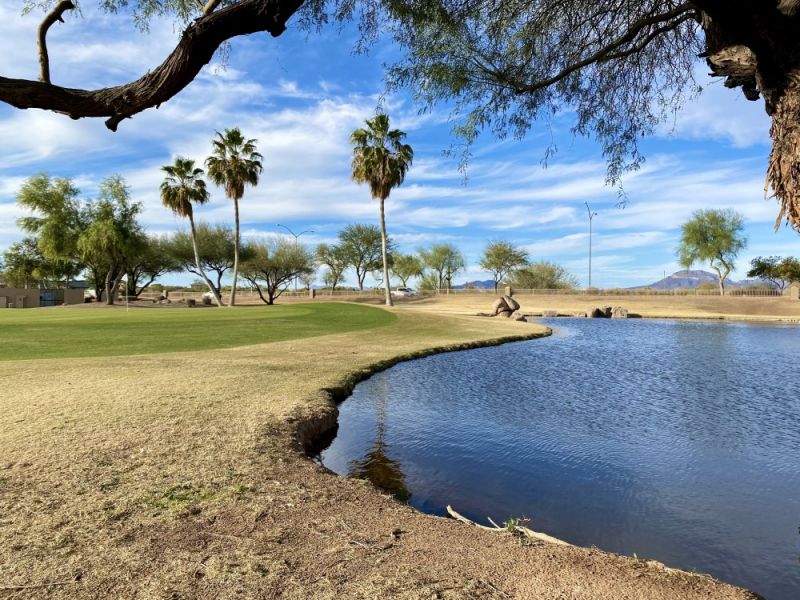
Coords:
296,237
592,215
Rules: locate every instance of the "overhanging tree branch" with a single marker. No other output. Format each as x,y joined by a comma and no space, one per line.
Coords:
672,18
194,50
55,15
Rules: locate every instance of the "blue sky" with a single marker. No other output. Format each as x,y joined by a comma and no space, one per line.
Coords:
301,96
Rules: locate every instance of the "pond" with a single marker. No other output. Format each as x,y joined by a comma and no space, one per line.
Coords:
672,440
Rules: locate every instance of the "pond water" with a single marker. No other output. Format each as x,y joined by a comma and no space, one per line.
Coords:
674,440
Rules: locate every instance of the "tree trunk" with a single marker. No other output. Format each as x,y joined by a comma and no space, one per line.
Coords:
217,297
783,175
386,283
721,279
115,285
109,290
235,252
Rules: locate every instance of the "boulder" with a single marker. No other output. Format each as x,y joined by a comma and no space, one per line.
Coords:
499,306
608,311
519,317
511,303
504,313
619,313
597,313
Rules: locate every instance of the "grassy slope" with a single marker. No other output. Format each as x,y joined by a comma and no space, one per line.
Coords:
173,476
79,332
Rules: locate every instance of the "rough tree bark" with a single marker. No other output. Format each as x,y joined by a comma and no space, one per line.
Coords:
755,45
386,283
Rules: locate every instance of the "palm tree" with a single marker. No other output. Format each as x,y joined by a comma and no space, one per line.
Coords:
181,189
233,164
381,159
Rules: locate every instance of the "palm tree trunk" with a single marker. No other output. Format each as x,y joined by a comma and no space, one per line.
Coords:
217,297
235,253
386,283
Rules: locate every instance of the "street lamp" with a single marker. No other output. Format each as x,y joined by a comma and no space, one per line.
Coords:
592,215
296,237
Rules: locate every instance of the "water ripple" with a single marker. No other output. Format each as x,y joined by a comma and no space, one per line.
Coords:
678,441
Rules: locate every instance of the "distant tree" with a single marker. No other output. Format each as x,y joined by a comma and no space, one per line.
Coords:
429,282
542,275
362,246
500,258
406,266
307,279
24,266
780,272
381,159
715,236
272,264
112,237
151,262
57,221
336,260
234,163
182,188
216,253
444,260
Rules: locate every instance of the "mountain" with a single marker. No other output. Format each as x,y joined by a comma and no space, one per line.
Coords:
693,279
487,284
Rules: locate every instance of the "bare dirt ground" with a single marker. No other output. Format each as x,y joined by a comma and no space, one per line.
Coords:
180,476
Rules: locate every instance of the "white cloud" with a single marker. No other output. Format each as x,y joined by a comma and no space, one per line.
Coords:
721,114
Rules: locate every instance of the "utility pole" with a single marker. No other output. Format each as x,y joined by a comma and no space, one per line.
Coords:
592,215
296,237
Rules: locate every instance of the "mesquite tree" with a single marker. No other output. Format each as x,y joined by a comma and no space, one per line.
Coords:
713,236
620,66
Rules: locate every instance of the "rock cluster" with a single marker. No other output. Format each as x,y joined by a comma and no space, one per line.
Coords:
507,307
606,312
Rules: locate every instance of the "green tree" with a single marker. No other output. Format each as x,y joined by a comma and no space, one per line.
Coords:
405,267
24,266
112,236
444,260
362,247
780,272
713,236
151,262
182,188
542,275
336,260
215,253
233,164
273,264
500,258
58,220
381,160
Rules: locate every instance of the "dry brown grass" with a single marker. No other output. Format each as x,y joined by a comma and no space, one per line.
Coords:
685,307
178,476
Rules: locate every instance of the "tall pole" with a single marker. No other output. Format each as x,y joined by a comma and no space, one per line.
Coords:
592,215
296,237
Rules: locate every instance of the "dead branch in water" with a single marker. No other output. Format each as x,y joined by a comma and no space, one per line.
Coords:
528,533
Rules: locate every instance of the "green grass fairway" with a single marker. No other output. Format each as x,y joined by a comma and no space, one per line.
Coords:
73,332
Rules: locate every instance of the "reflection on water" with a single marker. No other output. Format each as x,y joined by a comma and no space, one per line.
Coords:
376,466
677,441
